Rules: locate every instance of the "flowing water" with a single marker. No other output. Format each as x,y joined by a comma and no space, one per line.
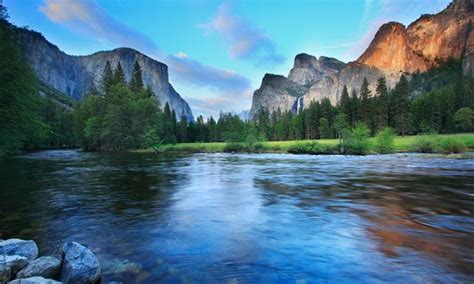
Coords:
227,218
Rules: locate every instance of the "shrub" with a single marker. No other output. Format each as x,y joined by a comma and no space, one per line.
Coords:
425,144
235,147
464,119
260,147
356,141
384,141
313,148
452,145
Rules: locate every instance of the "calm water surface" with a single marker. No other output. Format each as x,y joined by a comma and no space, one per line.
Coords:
225,218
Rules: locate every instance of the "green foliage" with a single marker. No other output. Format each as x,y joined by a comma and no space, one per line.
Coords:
235,147
119,75
324,128
356,141
425,144
107,78
119,120
313,148
21,124
384,141
464,119
381,106
364,110
136,82
452,145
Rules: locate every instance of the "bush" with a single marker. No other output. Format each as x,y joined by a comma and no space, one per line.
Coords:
235,147
384,141
313,148
260,147
356,141
452,145
425,144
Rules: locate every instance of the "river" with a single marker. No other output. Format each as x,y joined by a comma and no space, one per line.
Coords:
237,218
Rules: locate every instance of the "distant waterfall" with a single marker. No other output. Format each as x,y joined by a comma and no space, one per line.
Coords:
297,105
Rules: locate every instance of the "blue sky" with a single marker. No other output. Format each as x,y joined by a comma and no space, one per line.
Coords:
217,51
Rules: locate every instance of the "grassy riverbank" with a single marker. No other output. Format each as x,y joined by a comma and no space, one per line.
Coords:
401,144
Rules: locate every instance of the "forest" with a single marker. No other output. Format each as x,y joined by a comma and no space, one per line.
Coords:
123,115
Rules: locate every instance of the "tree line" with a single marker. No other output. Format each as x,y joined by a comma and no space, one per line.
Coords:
438,101
123,114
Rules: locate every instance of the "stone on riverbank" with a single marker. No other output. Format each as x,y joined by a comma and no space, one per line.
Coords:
5,273
34,280
79,265
45,266
24,248
13,262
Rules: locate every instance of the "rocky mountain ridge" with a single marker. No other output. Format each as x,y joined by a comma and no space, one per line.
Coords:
75,75
395,50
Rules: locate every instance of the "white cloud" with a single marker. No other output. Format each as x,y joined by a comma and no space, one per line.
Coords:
87,17
245,42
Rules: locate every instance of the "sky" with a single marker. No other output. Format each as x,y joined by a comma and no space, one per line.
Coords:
217,51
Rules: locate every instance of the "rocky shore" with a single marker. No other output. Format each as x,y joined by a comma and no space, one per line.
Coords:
20,264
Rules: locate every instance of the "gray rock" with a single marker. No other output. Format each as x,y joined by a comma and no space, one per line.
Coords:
34,280
14,262
75,75
5,273
79,265
28,249
45,266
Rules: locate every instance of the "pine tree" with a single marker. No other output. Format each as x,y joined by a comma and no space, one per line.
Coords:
183,127
3,12
213,134
119,75
364,102
354,108
345,104
324,129
402,109
382,103
107,78
136,82
168,125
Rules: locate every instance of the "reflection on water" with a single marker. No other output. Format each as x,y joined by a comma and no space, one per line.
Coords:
248,218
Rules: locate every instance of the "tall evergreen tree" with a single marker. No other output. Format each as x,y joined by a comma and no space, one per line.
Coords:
107,79
345,104
119,75
402,109
183,128
136,82
364,108
382,103
168,125
354,118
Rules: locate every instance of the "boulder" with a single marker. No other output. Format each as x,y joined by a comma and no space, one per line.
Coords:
79,265
5,273
28,249
34,280
45,266
13,262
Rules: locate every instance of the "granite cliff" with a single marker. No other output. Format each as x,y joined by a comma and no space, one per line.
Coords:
395,50
75,75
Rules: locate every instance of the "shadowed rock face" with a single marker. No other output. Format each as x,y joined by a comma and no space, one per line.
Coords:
395,50
75,75
276,92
